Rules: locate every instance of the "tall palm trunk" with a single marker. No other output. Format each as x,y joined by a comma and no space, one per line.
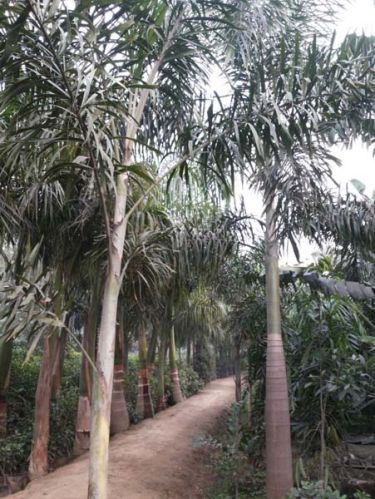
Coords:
176,387
119,410
144,402
116,231
279,476
237,368
38,465
151,351
82,430
161,372
103,377
57,368
6,348
126,348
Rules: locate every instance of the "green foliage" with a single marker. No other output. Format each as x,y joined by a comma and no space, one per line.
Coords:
314,490
63,414
204,359
361,495
15,448
14,453
328,364
237,470
190,381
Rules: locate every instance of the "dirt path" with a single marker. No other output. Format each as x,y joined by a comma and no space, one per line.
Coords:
155,459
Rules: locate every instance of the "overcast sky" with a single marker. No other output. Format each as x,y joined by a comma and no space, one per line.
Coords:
358,162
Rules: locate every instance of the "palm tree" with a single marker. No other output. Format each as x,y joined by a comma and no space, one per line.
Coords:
286,106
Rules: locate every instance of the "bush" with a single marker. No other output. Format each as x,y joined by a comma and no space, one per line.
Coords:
62,430
14,453
314,490
15,448
238,475
190,381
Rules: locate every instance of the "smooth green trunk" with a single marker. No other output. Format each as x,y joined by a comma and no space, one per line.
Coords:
57,368
102,390
279,474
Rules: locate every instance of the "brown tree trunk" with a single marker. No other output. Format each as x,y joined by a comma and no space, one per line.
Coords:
57,368
82,431
126,348
279,476
119,410
144,402
151,351
38,465
161,385
176,387
6,348
237,369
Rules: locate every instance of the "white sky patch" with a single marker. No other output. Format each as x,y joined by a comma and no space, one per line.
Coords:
358,17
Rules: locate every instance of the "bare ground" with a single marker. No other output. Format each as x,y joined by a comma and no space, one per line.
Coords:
156,459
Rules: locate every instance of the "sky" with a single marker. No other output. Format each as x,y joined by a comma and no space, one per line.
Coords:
358,162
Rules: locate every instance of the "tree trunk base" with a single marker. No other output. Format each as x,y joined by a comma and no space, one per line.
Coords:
176,387
144,403
82,436
162,405
119,411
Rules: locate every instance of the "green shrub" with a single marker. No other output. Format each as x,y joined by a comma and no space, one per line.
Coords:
361,495
14,453
314,490
63,415
238,475
16,446
190,381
